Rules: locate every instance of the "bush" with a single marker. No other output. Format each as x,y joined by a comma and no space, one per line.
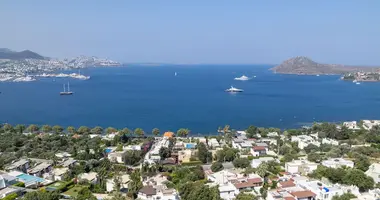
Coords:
19,184
192,163
216,166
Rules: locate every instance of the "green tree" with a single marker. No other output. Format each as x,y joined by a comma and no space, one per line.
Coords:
83,130
164,153
358,178
241,162
216,166
57,129
251,131
183,132
345,196
41,196
33,128
46,128
156,131
203,154
20,128
262,169
97,130
85,194
311,148
314,157
362,162
135,184
110,130
138,132
245,196
71,129
7,127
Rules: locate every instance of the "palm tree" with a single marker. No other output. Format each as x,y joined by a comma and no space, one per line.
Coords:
20,128
70,129
156,131
7,127
46,129
33,128
139,132
226,128
83,130
57,129
126,131
183,132
97,130
110,130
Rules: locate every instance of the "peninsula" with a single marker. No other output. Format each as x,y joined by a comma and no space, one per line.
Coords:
18,66
302,65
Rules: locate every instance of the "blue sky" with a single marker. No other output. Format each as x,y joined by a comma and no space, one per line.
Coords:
196,31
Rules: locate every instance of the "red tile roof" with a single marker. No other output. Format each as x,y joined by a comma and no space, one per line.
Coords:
303,194
289,198
258,148
285,184
252,182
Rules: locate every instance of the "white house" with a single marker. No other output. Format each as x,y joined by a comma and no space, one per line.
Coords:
304,141
256,162
368,124
300,166
351,125
374,172
58,173
124,180
338,163
117,156
326,192
91,177
330,141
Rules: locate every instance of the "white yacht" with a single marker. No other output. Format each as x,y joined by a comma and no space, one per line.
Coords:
242,78
232,89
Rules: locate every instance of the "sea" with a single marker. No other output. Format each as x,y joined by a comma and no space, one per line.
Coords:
149,96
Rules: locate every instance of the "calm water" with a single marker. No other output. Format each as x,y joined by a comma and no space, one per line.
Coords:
149,97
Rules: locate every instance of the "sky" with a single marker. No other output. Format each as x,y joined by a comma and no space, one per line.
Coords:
196,31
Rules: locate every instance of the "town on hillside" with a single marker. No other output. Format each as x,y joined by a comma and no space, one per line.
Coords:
325,161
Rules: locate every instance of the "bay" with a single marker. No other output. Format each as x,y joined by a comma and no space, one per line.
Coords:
152,96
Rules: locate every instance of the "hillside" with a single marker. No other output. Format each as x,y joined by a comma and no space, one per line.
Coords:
305,66
13,55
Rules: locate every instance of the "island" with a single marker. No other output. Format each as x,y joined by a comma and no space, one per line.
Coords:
26,65
302,65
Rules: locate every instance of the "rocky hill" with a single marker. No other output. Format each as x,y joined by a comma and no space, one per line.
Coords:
305,66
14,55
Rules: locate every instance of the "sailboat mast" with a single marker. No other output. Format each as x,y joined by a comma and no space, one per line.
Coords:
64,89
68,86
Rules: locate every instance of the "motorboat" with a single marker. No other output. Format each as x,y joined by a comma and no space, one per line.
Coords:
242,78
232,89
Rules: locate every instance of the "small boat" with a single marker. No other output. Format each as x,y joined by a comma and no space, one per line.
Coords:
357,83
242,78
232,89
175,73
317,75
68,92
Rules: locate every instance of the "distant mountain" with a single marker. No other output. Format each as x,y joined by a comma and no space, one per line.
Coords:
305,66
13,55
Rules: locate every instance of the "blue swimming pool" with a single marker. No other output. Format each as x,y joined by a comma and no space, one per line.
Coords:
108,150
29,178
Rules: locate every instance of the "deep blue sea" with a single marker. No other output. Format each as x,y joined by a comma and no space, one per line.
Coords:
148,97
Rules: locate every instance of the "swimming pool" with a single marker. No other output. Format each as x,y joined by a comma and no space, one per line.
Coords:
108,150
28,178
